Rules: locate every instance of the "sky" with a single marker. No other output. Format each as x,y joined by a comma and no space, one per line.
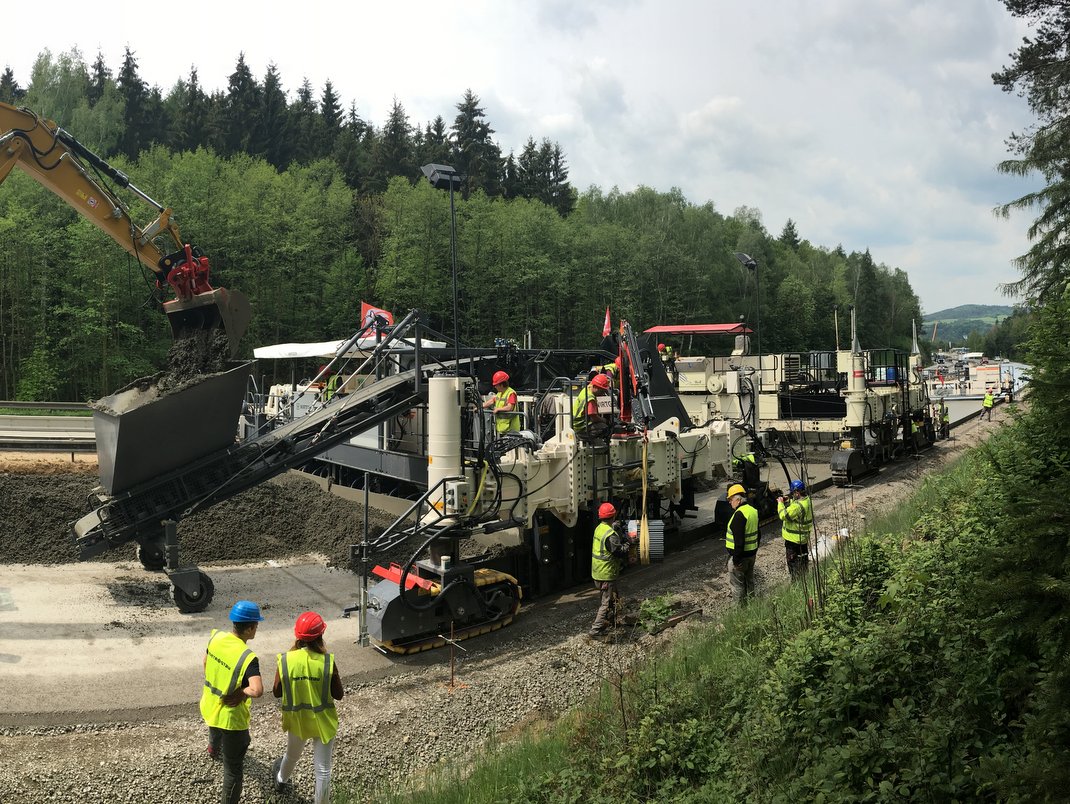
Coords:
870,125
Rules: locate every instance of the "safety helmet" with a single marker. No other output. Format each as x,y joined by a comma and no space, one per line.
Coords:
735,489
606,511
309,626
797,485
600,381
661,347
245,611
499,377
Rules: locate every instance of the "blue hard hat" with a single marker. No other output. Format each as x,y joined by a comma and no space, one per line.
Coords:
245,611
797,485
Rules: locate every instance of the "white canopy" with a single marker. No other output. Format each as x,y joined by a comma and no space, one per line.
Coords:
329,349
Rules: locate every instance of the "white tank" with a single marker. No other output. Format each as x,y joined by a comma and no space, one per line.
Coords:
445,400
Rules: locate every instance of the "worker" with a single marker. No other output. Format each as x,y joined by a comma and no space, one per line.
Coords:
668,360
741,539
231,679
586,419
608,556
503,403
945,421
987,403
307,681
325,375
796,511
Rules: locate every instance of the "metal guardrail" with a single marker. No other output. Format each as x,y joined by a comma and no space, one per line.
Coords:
17,404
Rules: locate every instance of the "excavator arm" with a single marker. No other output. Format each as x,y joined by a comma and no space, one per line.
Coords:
58,162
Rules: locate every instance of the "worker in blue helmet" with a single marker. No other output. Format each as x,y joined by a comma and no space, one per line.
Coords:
231,679
796,512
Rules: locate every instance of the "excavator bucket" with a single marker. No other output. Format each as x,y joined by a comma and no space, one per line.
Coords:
215,310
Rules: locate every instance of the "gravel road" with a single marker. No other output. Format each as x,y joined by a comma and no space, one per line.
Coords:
394,727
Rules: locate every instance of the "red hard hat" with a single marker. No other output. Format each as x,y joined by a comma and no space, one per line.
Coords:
600,381
499,377
661,347
606,511
309,626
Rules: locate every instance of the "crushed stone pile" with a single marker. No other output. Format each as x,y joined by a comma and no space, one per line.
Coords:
285,517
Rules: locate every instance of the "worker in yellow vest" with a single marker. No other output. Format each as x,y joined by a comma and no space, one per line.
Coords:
609,554
587,421
796,511
231,679
308,682
503,403
987,403
741,540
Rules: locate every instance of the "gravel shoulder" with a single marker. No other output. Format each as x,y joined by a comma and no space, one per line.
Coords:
399,723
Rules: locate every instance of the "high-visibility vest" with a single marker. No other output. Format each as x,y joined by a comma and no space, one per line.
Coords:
750,536
604,565
307,706
988,400
579,408
798,518
505,424
228,659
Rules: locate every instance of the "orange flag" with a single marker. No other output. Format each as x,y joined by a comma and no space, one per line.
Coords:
606,328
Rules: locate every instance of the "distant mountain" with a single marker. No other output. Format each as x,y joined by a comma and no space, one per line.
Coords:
970,311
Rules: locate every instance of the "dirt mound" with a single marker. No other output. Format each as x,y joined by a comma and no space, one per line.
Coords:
286,517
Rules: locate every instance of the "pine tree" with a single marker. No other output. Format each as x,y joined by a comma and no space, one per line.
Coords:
331,115
434,145
242,117
99,77
475,154
306,122
562,195
351,148
10,91
790,235
189,114
393,154
275,120
135,95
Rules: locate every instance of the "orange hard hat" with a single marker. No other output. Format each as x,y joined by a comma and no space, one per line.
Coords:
309,626
606,511
499,377
600,381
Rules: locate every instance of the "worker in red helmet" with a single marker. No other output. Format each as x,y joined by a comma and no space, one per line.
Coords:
503,403
609,554
587,420
668,360
231,678
307,681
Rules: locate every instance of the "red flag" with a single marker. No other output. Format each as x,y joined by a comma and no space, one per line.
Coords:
606,328
367,311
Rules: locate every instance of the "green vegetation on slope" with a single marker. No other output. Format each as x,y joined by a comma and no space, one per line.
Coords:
933,668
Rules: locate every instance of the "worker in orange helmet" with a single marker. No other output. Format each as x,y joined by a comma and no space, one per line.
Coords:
587,421
608,557
503,403
308,683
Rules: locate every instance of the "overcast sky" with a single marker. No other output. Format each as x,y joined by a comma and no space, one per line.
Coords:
870,124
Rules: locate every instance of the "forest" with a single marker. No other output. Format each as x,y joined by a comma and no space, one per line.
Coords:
309,210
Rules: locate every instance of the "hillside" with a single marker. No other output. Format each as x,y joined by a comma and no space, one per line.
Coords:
969,311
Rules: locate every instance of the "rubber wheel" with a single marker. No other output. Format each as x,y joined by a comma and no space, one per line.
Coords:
151,556
191,604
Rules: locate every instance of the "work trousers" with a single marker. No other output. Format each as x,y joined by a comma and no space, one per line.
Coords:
985,410
322,757
741,578
798,556
231,746
607,606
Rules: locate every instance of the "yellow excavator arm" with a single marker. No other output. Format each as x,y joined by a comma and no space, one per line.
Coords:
57,161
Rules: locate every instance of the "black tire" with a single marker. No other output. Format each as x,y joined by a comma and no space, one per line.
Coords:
192,604
151,556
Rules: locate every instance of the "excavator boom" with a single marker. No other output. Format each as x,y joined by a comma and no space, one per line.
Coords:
58,162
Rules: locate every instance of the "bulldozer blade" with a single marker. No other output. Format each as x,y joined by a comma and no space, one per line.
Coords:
224,309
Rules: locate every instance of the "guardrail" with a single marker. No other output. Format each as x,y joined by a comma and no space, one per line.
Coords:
18,404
